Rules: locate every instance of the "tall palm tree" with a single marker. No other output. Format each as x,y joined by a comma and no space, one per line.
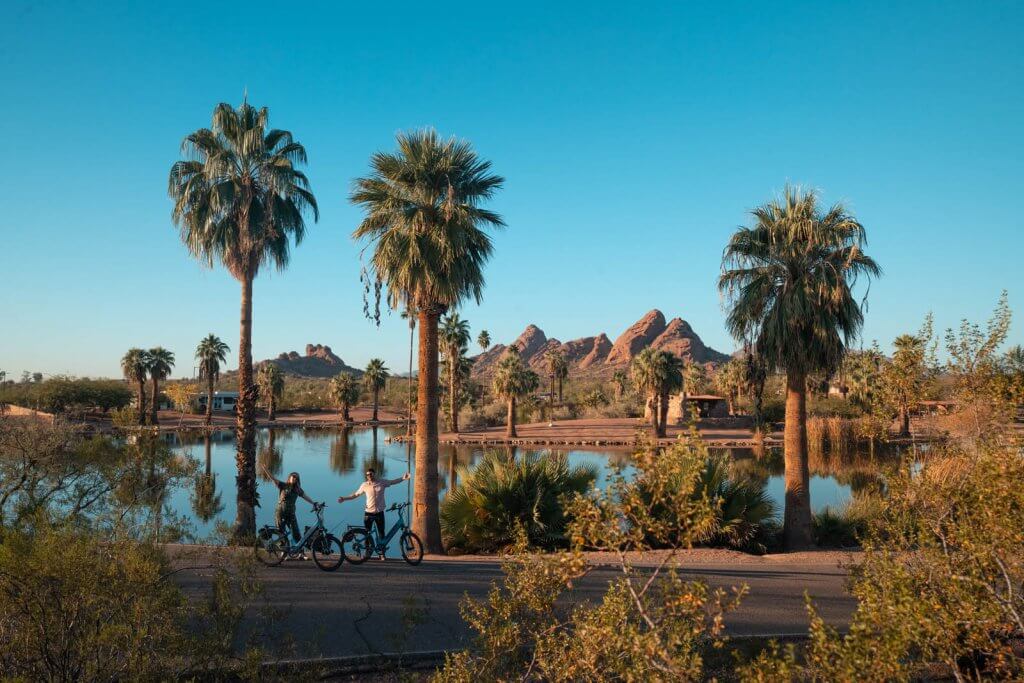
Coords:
159,361
345,391
657,374
240,199
788,278
454,340
620,379
409,315
561,373
671,379
270,380
425,222
513,380
484,340
210,353
135,366
554,358
375,377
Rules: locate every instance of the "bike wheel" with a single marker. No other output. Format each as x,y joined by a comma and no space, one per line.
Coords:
356,545
271,547
327,553
412,548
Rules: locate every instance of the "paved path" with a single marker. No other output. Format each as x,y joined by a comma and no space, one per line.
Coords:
359,609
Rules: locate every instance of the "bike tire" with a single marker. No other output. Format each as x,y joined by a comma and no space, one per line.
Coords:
356,546
412,548
271,547
328,554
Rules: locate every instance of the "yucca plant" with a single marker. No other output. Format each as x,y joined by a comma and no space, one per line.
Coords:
503,494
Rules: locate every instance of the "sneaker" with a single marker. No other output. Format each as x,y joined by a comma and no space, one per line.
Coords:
382,558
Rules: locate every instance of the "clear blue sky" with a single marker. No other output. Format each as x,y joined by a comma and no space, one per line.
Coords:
634,139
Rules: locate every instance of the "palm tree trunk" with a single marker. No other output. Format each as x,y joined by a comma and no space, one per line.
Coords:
344,413
206,448
797,532
153,419
559,390
663,410
408,418
245,424
376,400
209,400
272,408
425,520
654,415
552,390
453,390
510,421
142,402
904,421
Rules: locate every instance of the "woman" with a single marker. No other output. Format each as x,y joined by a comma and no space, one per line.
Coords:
284,513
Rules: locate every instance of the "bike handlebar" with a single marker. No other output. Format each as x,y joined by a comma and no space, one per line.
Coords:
396,506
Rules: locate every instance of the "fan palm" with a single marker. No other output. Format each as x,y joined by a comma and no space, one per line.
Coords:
657,374
159,362
210,353
454,338
788,279
135,366
484,340
375,377
555,360
345,392
239,199
426,226
270,380
513,380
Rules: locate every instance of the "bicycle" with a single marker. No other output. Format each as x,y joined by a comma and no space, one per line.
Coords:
358,543
272,544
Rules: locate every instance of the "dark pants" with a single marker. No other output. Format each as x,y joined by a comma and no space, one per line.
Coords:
286,521
371,518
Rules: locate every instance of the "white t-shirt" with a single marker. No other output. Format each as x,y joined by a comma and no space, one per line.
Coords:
374,492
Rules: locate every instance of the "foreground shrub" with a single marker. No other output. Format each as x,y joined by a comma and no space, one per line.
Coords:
844,527
76,609
648,625
503,494
941,582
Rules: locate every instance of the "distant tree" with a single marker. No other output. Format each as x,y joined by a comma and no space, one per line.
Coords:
454,338
904,379
344,392
484,340
657,374
26,377
1014,364
37,377
554,360
425,220
210,353
375,377
730,381
240,199
159,362
512,381
135,366
181,394
695,379
270,380
594,398
620,380
755,374
788,279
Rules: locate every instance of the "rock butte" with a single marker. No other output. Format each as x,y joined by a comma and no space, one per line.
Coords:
597,356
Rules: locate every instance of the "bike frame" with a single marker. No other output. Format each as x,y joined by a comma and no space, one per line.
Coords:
308,536
381,544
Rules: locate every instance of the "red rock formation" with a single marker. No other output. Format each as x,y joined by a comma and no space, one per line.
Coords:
637,337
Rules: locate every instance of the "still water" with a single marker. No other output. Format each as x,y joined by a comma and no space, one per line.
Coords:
332,463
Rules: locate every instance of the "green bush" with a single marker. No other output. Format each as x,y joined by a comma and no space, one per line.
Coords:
60,394
773,410
846,526
502,494
833,406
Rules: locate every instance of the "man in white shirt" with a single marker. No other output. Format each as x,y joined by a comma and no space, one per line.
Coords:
373,489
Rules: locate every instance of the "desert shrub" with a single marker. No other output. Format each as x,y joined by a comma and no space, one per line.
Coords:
940,582
833,406
503,494
773,410
743,511
60,394
490,414
78,607
844,527
648,625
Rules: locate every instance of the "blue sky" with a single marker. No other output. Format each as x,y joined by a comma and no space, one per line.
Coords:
634,139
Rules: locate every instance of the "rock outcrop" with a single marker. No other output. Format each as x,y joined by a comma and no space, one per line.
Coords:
319,361
597,356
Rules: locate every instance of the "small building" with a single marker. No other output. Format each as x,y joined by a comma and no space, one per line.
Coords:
708,405
225,401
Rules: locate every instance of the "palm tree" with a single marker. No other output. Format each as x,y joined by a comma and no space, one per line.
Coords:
657,374
789,278
375,377
454,338
425,222
159,362
210,353
513,380
671,379
554,359
484,340
409,315
621,381
239,199
135,366
270,380
345,392
730,380
561,374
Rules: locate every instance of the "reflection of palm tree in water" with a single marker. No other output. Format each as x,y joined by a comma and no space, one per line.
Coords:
206,503
374,462
343,452
270,457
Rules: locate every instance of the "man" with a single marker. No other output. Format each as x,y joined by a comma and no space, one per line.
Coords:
373,489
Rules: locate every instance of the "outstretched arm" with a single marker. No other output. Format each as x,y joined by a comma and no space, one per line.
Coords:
359,492
269,474
392,482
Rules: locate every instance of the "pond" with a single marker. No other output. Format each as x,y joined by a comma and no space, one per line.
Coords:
332,462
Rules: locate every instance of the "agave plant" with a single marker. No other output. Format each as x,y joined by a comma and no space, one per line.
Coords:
503,494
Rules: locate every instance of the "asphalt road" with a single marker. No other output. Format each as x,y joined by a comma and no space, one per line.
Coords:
361,609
